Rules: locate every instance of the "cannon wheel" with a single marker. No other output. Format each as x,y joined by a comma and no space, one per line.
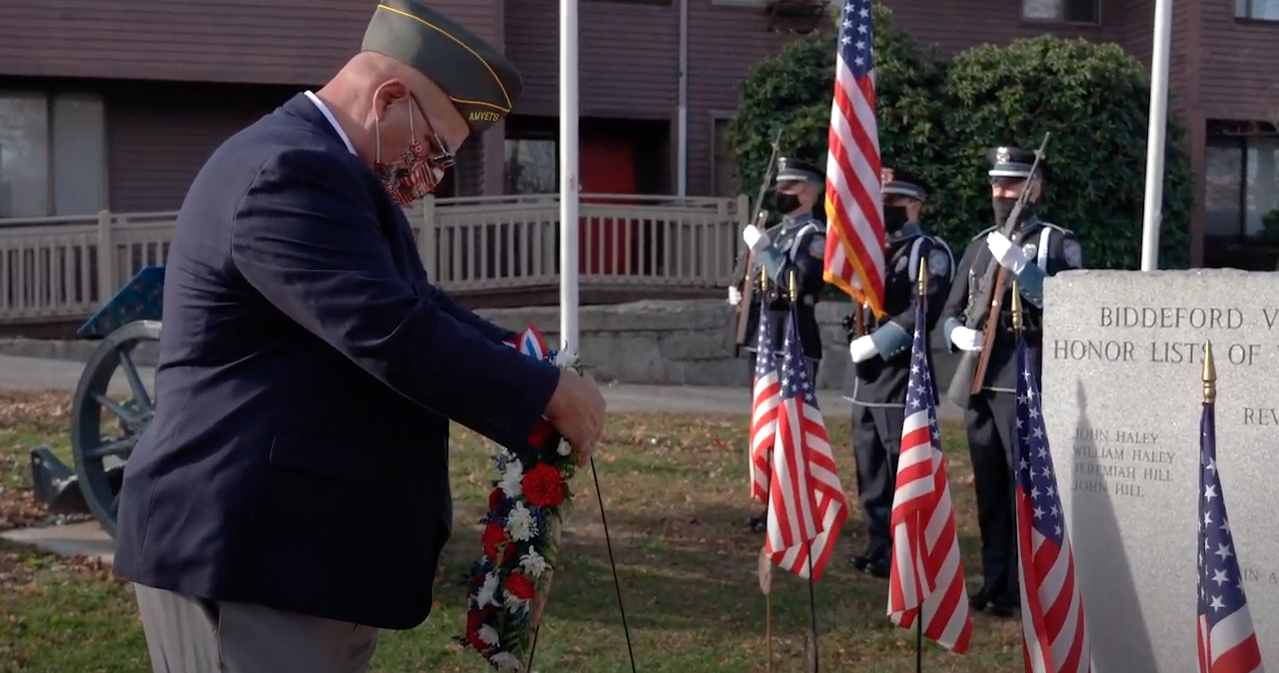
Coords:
100,450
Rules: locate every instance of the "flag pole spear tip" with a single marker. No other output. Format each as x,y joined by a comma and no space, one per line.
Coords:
1016,308
794,291
1210,375
923,277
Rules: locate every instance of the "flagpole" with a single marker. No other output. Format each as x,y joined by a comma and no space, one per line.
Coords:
1155,133
568,175
811,649
921,297
765,571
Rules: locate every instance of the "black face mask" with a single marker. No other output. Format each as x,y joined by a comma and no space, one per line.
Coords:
895,217
1004,208
786,203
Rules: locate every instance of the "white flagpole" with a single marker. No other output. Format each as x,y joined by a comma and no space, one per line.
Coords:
569,188
1151,213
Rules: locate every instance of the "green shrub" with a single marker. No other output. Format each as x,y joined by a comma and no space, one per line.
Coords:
939,118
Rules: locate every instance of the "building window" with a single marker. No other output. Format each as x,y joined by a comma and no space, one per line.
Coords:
532,166
1241,186
53,154
1069,11
1265,10
725,168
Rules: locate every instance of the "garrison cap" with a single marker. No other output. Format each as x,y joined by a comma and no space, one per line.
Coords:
791,170
482,84
900,182
1011,162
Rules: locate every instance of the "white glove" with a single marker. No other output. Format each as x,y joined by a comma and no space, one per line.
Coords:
862,349
966,339
755,239
1009,256
734,296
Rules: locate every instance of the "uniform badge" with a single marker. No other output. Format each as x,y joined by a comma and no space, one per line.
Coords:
817,246
938,262
1003,155
885,176
1030,249
1073,252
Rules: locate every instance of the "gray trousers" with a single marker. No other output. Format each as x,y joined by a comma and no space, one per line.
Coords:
190,635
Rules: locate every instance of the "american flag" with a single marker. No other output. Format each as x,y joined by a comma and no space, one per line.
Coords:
1052,618
1227,640
765,400
927,577
807,507
855,225
531,342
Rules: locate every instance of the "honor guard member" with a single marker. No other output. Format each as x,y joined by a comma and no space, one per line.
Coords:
1035,250
291,496
797,243
876,383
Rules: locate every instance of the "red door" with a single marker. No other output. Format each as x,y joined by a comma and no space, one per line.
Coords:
607,167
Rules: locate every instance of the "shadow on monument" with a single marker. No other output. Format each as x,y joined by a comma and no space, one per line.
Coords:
1121,602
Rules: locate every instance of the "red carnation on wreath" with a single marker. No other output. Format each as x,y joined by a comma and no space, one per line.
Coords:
495,499
494,536
543,486
475,621
520,586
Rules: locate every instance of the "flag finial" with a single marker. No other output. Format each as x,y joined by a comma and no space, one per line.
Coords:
923,278
794,288
1016,309
1210,375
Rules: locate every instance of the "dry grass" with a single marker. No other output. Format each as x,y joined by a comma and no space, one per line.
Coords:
674,490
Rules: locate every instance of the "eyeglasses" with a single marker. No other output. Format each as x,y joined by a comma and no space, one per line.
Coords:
441,155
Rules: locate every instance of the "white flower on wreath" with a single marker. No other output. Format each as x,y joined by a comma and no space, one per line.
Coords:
488,635
514,603
565,358
519,523
511,479
534,564
488,591
505,661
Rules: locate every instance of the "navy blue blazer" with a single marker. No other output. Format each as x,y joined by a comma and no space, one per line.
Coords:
308,370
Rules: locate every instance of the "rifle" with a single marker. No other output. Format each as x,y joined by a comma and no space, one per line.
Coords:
985,299
761,218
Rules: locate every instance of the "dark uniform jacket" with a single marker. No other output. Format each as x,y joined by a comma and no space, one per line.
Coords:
797,244
1050,248
881,380
308,370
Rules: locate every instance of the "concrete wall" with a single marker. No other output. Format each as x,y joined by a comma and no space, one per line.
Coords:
648,342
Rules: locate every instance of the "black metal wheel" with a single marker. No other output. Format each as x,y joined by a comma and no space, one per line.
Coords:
106,423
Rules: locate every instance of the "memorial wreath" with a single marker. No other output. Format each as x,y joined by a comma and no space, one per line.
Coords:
508,586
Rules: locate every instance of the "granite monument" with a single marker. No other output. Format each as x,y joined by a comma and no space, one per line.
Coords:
1122,394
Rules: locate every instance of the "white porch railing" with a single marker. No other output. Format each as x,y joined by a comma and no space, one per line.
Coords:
66,267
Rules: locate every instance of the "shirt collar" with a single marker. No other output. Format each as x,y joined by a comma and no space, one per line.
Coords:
324,110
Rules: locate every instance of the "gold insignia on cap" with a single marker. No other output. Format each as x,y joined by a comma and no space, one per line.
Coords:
1003,155
885,176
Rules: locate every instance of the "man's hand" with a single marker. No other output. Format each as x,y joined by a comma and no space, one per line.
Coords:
576,410
967,339
734,296
1009,256
755,239
862,349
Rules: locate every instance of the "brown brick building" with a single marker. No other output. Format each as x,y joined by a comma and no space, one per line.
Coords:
116,103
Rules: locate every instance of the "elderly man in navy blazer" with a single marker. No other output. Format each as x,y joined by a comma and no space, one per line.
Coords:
291,496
